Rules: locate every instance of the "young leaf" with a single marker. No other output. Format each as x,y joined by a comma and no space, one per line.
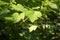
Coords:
36,7
3,3
54,6
59,14
16,17
38,13
22,15
49,3
17,7
31,16
13,1
8,19
33,27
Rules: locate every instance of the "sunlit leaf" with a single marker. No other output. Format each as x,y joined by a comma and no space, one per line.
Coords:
36,7
21,34
8,19
54,6
33,27
49,3
17,7
59,13
31,16
22,15
3,3
13,1
16,17
38,13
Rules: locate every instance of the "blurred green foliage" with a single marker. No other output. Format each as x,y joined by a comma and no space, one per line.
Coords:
29,20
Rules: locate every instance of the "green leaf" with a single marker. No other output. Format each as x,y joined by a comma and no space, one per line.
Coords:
13,1
17,7
4,13
49,3
31,16
54,6
59,14
16,17
8,19
36,7
3,3
38,13
22,15
33,27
